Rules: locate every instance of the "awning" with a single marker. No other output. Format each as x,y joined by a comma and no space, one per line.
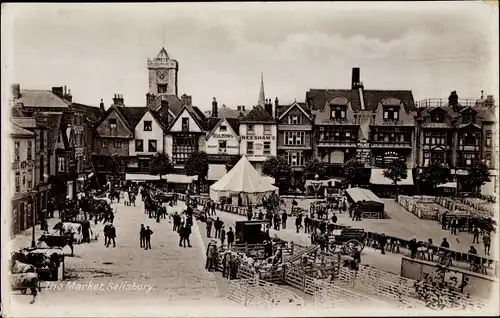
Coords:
140,177
179,178
448,185
324,183
216,171
377,177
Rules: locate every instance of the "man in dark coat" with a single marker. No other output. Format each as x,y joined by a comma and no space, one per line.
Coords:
298,222
177,221
106,233
147,238
222,235
187,234
86,231
111,235
334,218
307,225
142,236
284,217
181,231
209,227
218,225
230,237
382,242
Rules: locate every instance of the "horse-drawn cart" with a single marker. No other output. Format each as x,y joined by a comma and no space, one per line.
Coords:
350,240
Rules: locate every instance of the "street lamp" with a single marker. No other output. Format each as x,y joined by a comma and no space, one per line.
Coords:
33,220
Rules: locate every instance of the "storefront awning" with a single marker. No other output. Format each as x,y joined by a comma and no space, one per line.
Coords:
448,185
377,177
324,183
179,178
216,171
140,177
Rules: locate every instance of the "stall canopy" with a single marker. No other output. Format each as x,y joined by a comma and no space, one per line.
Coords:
242,179
170,178
448,185
366,200
377,177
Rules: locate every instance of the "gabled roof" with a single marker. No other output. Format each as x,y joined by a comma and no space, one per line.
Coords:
132,114
198,113
301,106
258,115
41,98
92,113
212,123
317,98
20,132
468,125
161,120
233,122
193,114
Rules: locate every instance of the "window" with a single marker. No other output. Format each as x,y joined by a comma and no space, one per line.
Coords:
143,163
487,160
118,143
437,118
42,168
42,140
223,128
338,112
468,158
61,164
222,145
17,145
162,88
391,113
295,158
185,124
488,139
249,147
30,179
139,145
183,146
152,145
148,125
18,183
30,151
104,143
267,147
112,123
435,138
267,129
469,139
435,156
468,118
294,119
23,182
250,130
295,138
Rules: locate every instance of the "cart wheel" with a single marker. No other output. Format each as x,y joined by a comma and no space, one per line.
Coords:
351,246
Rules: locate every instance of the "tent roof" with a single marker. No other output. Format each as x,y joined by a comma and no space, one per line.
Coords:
360,194
243,178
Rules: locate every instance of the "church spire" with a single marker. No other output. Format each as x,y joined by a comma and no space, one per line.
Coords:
262,95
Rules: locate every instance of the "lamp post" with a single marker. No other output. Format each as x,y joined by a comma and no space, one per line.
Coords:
33,219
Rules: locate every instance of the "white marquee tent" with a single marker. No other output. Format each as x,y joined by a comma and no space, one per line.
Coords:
242,180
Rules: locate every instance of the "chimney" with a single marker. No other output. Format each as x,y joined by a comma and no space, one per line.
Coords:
356,82
164,109
186,100
16,91
453,99
269,107
68,96
215,111
101,106
117,100
276,104
64,90
58,91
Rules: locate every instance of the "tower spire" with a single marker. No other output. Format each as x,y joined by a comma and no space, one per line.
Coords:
262,95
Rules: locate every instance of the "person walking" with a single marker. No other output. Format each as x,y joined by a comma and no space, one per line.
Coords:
487,243
475,232
142,236
177,221
147,238
212,206
222,235
187,234
209,226
298,222
181,231
284,217
453,226
277,221
218,225
106,233
230,237
111,235
307,224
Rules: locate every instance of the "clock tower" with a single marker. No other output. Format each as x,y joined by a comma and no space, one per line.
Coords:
163,74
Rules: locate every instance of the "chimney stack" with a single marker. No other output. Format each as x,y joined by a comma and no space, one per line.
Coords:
101,106
356,81
68,96
16,91
215,109
58,91
186,100
269,107
164,109
453,99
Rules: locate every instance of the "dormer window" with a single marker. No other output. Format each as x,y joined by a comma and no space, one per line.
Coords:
468,118
112,123
223,128
185,124
294,120
148,125
338,112
391,113
437,118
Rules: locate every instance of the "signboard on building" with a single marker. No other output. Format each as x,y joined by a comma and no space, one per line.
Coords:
252,137
223,136
220,158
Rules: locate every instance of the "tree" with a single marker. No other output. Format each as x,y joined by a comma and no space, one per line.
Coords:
160,164
354,171
313,168
397,171
271,203
478,175
232,162
197,165
277,168
436,173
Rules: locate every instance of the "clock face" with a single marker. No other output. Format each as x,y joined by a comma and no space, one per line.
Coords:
161,74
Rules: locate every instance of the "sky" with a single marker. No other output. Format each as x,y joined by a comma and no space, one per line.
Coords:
98,50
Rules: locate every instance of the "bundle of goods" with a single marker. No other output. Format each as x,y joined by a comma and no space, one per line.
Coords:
480,205
418,208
